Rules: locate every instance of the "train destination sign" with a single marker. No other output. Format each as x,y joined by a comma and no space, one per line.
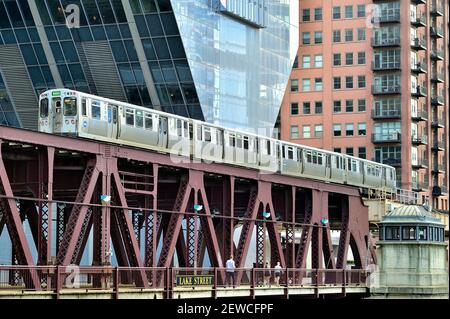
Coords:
194,280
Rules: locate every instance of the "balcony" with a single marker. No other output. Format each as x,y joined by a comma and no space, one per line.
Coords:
421,115
381,114
422,163
420,186
437,77
437,9
421,139
392,42
385,18
438,168
438,146
437,32
438,120
437,54
439,190
418,44
437,100
393,137
394,65
421,91
419,67
379,90
420,20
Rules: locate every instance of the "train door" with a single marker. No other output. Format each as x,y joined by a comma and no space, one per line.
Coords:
57,114
112,121
162,125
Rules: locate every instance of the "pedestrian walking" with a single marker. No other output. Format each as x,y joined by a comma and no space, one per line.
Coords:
230,267
277,273
267,274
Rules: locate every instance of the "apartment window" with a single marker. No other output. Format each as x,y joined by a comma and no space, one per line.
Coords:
318,37
388,154
349,151
306,85
337,149
294,108
336,35
337,106
318,60
306,38
294,85
306,15
385,59
348,35
336,59
362,129
318,14
306,61
336,12
295,65
348,12
318,107
318,130
361,105
349,58
361,34
349,129
306,108
361,81
348,106
336,129
294,131
362,152
306,131
349,82
361,9
318,84
336,82
362,57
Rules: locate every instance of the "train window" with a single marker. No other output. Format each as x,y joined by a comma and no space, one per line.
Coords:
114,114
139,119
207,132
199,132
44,107
268,145
83,107
129,117
179,127
320,159
246,142
148,121
290,153
309,156
232,140
95,110
70,106
239,141
218,137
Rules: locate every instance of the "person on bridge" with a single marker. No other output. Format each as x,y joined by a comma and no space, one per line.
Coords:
277,273
267,274
230,265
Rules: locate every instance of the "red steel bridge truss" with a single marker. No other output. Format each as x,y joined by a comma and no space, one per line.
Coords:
151,217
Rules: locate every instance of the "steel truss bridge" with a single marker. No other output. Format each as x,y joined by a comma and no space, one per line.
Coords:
56,184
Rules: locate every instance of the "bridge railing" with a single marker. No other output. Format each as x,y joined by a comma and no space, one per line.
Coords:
58,278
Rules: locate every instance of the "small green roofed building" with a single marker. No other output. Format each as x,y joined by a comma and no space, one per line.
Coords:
412,255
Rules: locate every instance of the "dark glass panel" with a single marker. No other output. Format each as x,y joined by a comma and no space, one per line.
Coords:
42,59
36,77
14,14
56,11
57,53
168,72
141,26
164,5
190,94
162,51
77,74
51,34
125,31
154,25
133,95
106,11
118,9
43,13
129,46
139,76
120,55
162,94
4,21
63,33
176,47
180,110
98,33
26,12
135,6
148,6
48,76
34,35
85,34
8,36
69,51
113,32
195,112
145,96
175,94
28,54
22,35
156,72
148,49
126,74
183,70
92,13
169,23
65,75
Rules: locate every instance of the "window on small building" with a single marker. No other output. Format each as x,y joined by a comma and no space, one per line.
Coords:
337,130
349,151
318,130
348,35
362,129
362,152
306,15
409,232
349,130
306,108
422,233
349,82
362,57
348,12
294,85
361,34
318,37
318,107
336,59
348,106
336,12
349,58
336,35
294,108
306,38
336,82
294,131
306,61
337,106
318,14
306,131
392,233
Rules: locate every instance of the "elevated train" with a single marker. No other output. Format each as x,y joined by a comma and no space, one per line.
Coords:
64,111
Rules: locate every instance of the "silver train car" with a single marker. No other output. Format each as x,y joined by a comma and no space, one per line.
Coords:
64,111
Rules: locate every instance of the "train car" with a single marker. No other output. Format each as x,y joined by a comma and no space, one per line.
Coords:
64,111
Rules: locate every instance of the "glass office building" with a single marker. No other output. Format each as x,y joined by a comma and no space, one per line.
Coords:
223,61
